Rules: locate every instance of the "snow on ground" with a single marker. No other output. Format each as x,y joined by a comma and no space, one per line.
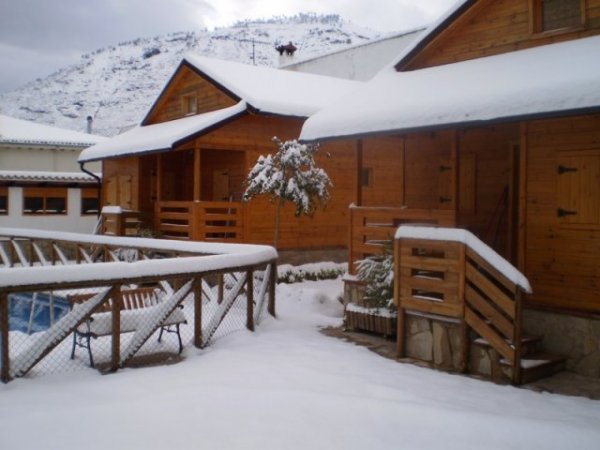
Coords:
287,386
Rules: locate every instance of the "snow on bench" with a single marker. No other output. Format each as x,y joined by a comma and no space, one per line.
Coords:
138,306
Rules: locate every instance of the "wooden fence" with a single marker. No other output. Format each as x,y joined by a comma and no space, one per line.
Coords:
219,274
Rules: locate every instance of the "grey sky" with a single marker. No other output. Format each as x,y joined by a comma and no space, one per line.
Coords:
39,36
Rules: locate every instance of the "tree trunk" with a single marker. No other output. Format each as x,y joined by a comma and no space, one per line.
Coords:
277,220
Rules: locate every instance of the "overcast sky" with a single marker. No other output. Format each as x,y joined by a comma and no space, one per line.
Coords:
39,36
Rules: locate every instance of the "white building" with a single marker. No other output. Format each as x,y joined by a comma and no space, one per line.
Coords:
41,183
359,63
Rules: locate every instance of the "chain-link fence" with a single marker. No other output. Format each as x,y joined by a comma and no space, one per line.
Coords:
80,312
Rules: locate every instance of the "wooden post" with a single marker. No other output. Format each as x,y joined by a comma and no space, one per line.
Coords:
197,173
522,220
517,338
198,312
399,310
250,300
350,239
4,344
221,289
272,287
465,344
116,328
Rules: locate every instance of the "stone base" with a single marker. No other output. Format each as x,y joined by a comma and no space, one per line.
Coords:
434,340
576,338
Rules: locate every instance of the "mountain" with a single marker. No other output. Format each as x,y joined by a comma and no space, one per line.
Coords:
116,85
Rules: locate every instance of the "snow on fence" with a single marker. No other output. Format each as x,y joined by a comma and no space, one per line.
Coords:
69,301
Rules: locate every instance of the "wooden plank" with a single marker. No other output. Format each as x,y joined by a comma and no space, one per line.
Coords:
498,276
495,295
445,287
440,308
483,330
427,263
4,338
481,305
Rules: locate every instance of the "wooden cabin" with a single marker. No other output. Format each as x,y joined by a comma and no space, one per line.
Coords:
183,170
490,122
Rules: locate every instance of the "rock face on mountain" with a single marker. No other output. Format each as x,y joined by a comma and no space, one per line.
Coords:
116,85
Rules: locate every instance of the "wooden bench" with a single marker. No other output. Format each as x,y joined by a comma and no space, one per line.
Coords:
136,306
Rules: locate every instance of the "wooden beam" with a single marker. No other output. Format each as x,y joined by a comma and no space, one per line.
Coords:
272,287
250,300
198,312
116,328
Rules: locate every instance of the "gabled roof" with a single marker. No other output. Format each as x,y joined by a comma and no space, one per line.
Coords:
431,32
161,136
273,91
17,131
546,81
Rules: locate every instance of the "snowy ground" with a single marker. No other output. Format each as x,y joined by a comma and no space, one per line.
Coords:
287,386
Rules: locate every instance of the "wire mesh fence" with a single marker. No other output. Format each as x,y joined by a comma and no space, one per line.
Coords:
68,325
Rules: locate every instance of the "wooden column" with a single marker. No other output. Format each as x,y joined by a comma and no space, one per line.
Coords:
517,338
159,175
399,310
198,312
250,300
522,220
197,173
4,344
116,328
455,163
272,287
359,170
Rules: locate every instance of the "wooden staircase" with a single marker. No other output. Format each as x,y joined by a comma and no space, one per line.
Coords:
450,273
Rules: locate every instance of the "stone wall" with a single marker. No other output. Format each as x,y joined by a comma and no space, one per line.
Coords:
576,338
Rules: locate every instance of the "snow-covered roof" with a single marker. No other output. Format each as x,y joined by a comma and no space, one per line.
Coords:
40,176
274,91
549,80
160,136
17,131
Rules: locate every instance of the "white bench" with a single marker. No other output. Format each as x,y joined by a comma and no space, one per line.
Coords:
137,307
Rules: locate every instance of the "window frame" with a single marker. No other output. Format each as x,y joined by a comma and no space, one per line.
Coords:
186,101
87,193
4,193
45,193
536,21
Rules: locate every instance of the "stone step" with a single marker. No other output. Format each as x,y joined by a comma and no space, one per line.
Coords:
537,366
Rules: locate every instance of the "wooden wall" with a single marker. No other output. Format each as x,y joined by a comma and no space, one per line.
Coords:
562,255
382,168
496,26
186,82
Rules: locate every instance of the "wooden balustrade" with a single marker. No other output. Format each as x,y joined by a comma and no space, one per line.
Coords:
200,221
124,223
450,278
371,227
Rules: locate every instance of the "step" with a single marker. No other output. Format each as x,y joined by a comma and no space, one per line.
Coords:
530,344
538,365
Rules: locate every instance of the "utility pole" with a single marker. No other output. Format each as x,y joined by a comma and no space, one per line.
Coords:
254,42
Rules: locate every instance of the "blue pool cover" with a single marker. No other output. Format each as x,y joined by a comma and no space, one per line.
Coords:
25,307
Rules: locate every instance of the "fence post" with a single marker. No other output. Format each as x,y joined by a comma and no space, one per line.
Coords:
250,300
221,290
272,287
399,309
198,312
116,328
4,344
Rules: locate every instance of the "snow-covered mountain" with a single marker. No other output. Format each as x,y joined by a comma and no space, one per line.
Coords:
116,85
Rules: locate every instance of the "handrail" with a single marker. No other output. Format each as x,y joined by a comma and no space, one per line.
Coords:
450,272
372,226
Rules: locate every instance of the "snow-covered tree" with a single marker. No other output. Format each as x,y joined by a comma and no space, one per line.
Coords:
289,175
377,272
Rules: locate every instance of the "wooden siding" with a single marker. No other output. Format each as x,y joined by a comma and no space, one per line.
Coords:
383,159
562,258
494,27
186,82
120,185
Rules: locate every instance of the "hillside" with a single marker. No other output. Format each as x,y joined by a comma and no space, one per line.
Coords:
116,85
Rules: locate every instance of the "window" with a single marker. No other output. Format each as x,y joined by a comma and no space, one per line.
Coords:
89,201
189,104
45,201
366,177
3,200
557,15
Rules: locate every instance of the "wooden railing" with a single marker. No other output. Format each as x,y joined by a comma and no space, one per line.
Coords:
451,273
200,221
371,227
210,277
122,223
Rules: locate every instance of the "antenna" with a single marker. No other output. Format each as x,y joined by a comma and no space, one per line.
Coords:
254,42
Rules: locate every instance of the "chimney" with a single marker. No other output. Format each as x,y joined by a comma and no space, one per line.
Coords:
89,124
